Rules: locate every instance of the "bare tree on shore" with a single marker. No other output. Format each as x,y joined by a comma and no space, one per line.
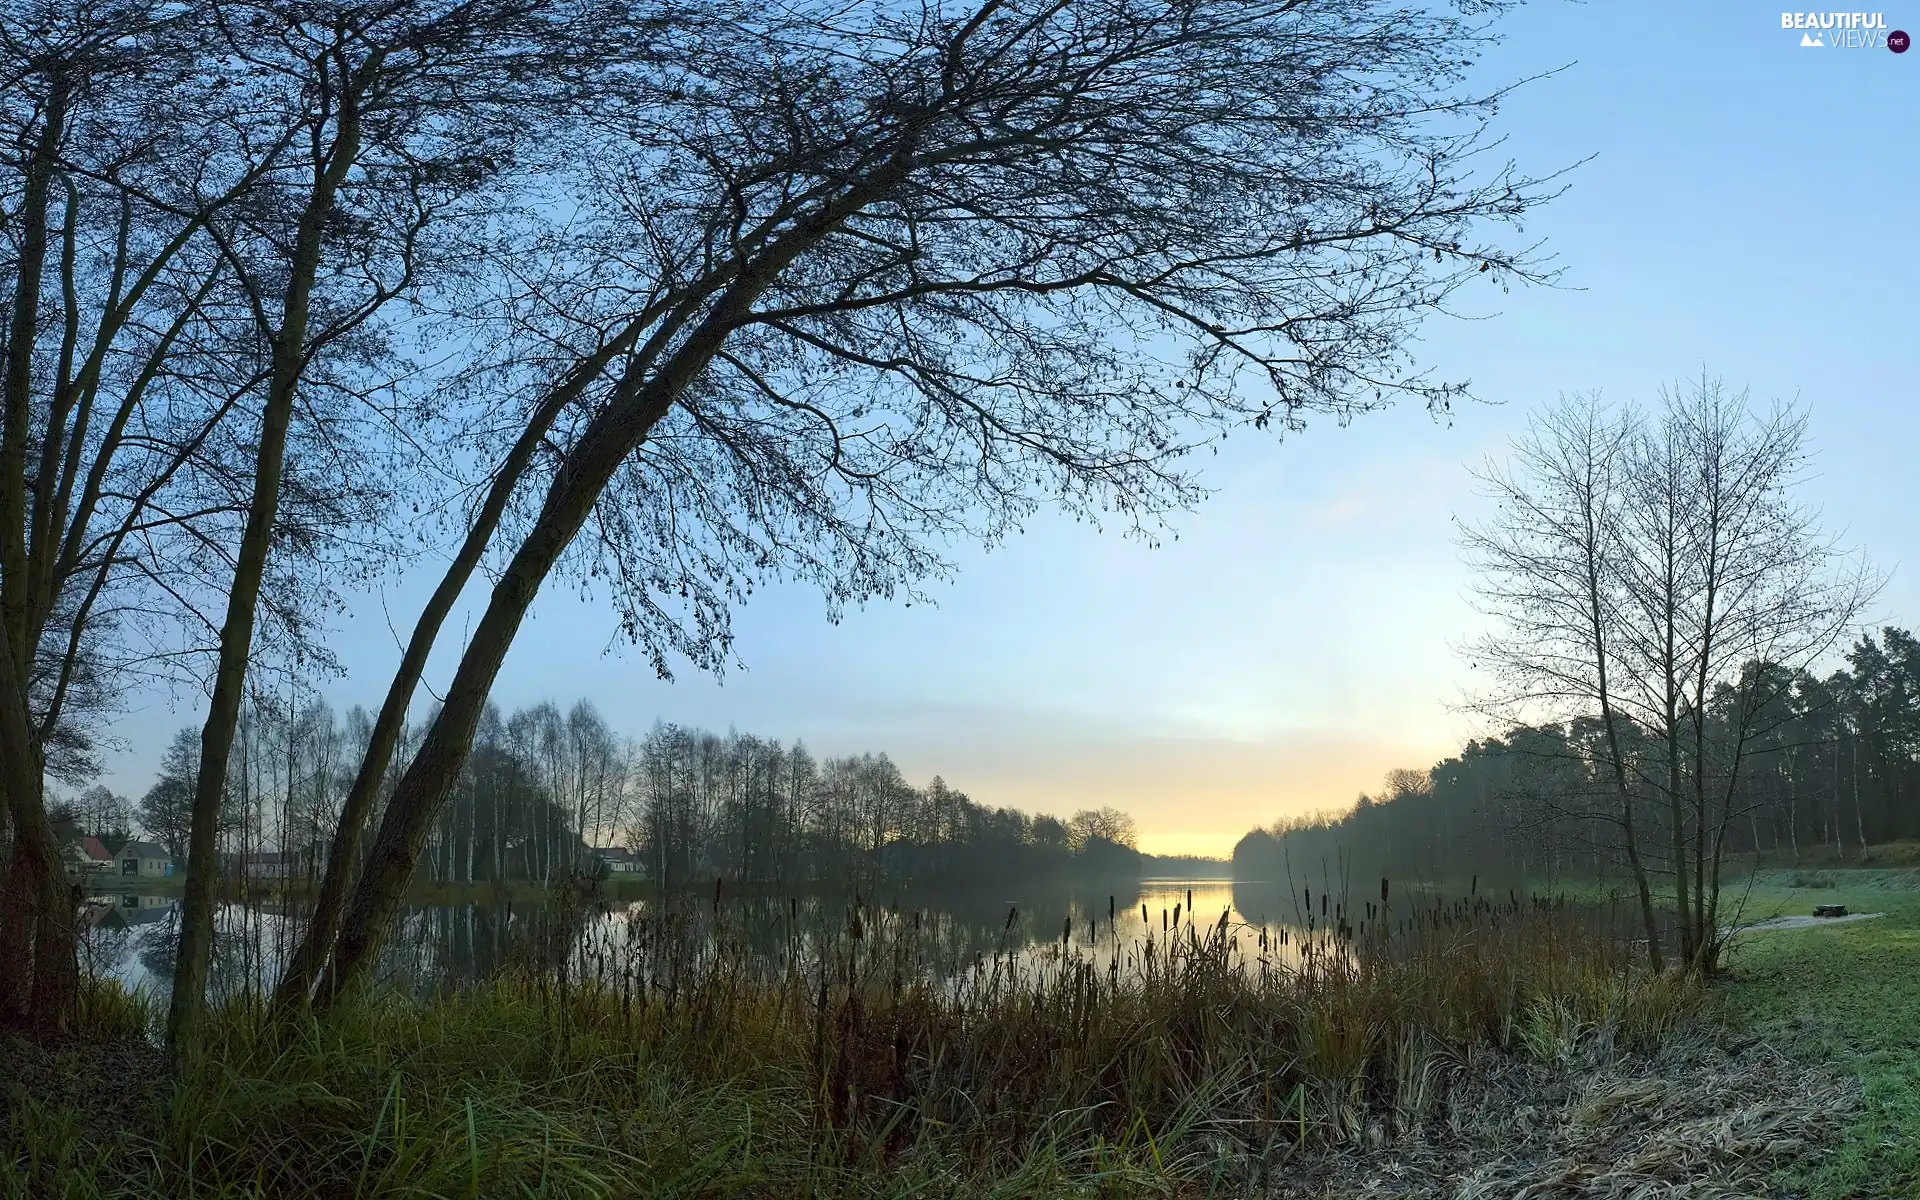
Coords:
1658,574
1011,255
810,293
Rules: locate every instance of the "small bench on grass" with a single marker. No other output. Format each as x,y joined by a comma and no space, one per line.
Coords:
1829,910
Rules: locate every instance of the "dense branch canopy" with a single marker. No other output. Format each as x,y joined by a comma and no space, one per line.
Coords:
996,256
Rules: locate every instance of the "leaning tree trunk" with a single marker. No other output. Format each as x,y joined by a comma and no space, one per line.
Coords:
223,713
637,405
436,765
236,632
1623,794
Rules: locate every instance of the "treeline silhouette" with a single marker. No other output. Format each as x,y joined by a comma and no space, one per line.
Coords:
546,792
1832,766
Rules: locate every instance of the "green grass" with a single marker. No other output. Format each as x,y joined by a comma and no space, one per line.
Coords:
1845,994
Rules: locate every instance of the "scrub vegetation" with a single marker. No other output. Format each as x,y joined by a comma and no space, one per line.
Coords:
1203,1059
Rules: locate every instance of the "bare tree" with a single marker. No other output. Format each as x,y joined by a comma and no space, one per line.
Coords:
398,117
1659,576
842,285
1767,595
1106,823
108,459
1549,566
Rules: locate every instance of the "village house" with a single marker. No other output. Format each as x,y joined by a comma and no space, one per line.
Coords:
616,858
132,909
144,860
85,856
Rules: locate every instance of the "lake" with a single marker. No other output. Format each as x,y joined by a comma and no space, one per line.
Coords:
133,937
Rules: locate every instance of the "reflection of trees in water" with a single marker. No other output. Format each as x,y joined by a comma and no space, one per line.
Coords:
444,946
139,944
656,942
159,952
104,947
944,933
1274,902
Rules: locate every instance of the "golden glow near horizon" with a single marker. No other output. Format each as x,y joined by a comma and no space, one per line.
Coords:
1200,795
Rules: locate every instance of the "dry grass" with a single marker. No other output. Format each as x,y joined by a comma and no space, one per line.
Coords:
1698,1129
1464,1046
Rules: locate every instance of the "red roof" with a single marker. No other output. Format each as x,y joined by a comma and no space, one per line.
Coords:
92,848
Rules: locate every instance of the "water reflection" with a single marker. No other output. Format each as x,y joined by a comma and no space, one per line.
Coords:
134,938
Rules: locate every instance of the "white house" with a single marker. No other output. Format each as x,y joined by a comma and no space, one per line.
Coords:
143,860
617,858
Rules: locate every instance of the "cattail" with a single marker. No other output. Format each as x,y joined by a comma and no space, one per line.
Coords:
1189,899
1143,913
1110,910
1066,932
1012,912
716,893
1323,904
1176,915
1475,889
1383,889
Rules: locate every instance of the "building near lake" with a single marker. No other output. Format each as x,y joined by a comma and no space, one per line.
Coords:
617,858
143,860
86,856
132,910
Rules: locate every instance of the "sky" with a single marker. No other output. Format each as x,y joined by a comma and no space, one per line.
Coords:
1750,209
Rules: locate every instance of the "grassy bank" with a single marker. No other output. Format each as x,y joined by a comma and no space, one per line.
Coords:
1847,995
1195,1071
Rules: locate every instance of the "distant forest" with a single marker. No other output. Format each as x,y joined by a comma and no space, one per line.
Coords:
1830,763
544,789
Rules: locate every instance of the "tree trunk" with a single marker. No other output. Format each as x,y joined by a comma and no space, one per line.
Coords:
39,963
637,405
1793,822
236,632
1676,808
1859,820
39,952
38,912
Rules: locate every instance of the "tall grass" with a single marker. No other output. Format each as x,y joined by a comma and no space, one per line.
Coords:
663,1065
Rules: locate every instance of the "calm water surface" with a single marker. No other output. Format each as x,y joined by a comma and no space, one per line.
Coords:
133,937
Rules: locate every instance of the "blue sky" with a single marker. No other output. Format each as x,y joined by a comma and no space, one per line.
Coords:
1752,209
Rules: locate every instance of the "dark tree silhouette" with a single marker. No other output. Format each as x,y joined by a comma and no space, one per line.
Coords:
842,284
